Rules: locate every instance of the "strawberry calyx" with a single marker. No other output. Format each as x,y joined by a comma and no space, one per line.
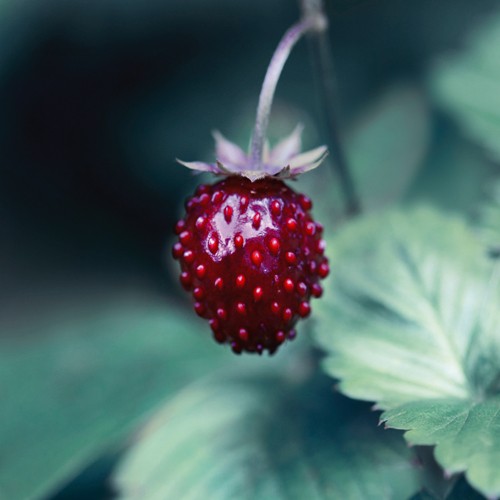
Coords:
283,161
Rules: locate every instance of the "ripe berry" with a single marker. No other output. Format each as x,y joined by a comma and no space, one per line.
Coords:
252,258
248,248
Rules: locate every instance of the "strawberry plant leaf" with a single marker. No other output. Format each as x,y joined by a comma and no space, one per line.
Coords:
262,436
385,148
72,387
468,85
387,145
462,490
453,175
466,434
410,319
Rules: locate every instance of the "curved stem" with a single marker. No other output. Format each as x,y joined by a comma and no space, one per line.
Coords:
315,22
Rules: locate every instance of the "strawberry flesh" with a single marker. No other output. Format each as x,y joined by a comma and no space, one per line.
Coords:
252,257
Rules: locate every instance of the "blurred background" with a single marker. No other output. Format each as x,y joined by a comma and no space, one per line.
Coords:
98,98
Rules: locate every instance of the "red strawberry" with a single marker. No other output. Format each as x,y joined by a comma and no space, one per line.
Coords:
252,257
249,249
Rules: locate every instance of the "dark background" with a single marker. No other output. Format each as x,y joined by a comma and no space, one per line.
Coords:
99,97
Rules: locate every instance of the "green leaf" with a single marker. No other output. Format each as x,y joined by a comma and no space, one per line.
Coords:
387,145
468,85
409,316
454,174
262,436
385,148
463,491
71,387
467,435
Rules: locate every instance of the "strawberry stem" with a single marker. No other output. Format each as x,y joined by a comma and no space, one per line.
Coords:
314,22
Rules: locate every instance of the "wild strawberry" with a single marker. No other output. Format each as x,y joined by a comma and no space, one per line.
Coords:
249,250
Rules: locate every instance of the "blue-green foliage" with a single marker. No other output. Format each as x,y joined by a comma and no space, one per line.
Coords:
101,356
